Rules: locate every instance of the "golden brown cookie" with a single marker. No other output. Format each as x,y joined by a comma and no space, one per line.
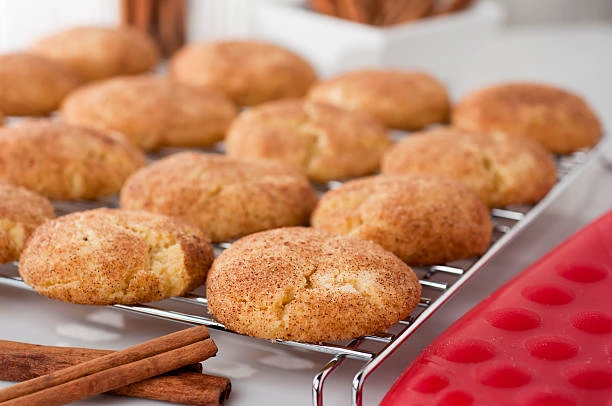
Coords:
225,197
109,256
100,52
66,162
502,170
31,85
248,72
21,211
323,141
400,99
309,285
152,111
423,219
562,121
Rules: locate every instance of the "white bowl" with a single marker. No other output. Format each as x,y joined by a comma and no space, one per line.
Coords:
438,45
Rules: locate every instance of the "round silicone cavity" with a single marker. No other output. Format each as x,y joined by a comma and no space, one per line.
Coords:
550,399
548,294
593,322
431,384
514,319
456,398
582,273
552,348
590,377
550,332
466,351
504,376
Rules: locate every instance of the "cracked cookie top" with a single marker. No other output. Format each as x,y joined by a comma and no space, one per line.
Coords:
405,100
66,162
152,111
323,141
110,256
21,211
309,285
225,197
248,72
32,85
424,219
562,121
502,170
100,52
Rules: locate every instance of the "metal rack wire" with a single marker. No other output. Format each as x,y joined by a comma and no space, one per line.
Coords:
439,283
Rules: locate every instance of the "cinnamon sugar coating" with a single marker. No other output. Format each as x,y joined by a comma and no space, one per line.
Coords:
109,256
400,99
21,211
423,219
562,121
308,285
32,85
95,53
502,170
66,162
225,197
248,72
323,141
152,111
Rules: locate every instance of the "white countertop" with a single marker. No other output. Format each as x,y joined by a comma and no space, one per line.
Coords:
579,58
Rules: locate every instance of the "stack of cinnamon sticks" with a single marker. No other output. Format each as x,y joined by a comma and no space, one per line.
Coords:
59,375
164,20
387,12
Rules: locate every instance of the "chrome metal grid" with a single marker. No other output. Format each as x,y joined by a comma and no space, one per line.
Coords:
439,283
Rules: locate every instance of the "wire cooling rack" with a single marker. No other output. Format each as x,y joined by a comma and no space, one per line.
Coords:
439,283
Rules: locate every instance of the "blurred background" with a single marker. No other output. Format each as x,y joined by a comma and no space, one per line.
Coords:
561,42
25,20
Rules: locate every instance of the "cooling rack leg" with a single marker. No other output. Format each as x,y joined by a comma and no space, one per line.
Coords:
357,393
319,379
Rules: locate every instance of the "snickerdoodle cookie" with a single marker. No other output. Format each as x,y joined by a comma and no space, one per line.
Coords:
562,121
404,100
308,285
109,256
31,85
66,162
21,211
424,219
100,52
225,197
152,111
502,170
248,72
323,141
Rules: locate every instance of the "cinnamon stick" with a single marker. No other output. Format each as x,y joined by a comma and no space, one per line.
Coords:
164,20
360,11
170,28
449,6
114,370
187,388
327,7
125,15
22,361
143,12
402,11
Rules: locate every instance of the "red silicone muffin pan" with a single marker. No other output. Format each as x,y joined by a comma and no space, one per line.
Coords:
543,339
